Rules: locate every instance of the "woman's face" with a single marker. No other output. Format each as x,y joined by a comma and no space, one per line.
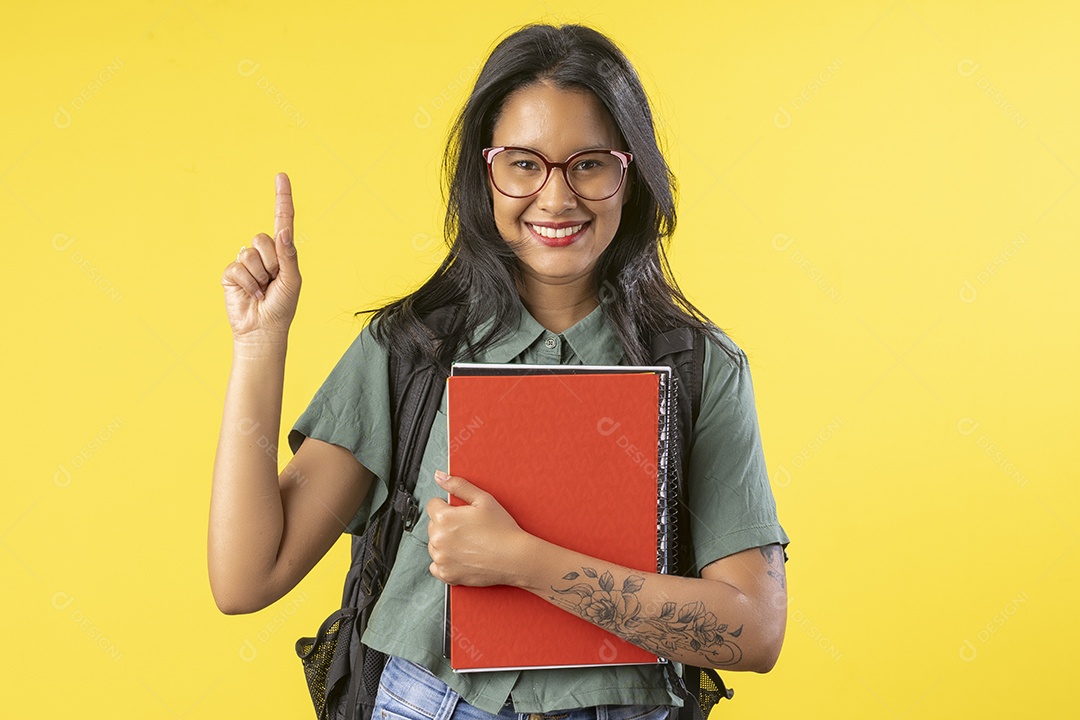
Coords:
556,123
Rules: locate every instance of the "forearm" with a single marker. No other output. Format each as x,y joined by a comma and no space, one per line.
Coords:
731,617
701,622
246,512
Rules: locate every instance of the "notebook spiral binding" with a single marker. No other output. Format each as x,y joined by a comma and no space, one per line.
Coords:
668,465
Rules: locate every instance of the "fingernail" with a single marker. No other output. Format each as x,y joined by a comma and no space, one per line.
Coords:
440,476
259,294
286,237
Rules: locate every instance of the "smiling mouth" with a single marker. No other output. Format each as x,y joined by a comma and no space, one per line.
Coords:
555,233
557,237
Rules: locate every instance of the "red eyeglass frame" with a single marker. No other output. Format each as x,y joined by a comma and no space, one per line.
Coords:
624,157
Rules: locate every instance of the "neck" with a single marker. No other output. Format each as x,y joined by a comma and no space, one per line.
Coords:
558,307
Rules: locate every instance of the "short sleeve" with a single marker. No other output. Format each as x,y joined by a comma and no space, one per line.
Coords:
352,409
731,502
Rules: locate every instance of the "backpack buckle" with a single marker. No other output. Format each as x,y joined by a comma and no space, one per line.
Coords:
412,514
406,506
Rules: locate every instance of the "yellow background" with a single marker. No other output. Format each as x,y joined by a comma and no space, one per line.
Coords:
878,200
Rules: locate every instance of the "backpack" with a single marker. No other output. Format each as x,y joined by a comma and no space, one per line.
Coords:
342,673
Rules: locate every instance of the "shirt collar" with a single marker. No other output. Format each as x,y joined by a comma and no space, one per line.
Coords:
525,332
592,339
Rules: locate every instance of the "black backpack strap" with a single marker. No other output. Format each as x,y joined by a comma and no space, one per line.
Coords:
683,349
416,391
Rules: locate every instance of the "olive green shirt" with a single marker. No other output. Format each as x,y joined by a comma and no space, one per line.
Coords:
728,488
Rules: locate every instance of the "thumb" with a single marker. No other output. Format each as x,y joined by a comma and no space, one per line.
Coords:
288,267
459,487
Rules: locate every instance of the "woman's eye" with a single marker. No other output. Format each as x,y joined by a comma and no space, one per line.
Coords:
524,165
588,165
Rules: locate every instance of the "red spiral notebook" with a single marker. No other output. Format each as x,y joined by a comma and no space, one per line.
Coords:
577,460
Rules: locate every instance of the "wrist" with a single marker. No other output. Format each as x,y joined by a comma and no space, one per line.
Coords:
262,346
532,566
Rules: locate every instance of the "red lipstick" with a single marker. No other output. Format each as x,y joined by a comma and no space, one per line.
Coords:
558,241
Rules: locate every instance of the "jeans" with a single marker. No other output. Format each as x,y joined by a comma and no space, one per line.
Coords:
409,692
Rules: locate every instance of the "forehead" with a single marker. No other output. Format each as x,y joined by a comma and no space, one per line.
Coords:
555,121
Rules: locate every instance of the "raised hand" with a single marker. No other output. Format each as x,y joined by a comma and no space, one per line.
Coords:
263,285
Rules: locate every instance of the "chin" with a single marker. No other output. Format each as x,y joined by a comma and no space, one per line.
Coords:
555,273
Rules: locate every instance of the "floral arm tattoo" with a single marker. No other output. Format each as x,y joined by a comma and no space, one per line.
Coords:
671,632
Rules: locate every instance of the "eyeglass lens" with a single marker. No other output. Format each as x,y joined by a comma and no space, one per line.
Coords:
520,173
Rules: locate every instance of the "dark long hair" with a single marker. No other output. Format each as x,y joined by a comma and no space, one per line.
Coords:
636,289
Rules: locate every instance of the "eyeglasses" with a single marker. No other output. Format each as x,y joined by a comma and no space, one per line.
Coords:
591,174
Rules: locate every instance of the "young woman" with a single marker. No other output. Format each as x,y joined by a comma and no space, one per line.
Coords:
559,203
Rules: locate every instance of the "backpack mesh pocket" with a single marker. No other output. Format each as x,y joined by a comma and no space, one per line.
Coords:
325,658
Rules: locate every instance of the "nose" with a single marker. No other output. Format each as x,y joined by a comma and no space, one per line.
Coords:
556,196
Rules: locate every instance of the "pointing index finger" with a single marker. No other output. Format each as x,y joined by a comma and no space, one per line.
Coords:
283,208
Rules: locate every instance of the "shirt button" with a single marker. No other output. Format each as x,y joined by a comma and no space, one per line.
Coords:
551,343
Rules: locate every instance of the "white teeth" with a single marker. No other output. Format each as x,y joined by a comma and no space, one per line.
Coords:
553,233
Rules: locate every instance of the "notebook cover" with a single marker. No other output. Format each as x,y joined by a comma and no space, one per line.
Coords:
573,458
